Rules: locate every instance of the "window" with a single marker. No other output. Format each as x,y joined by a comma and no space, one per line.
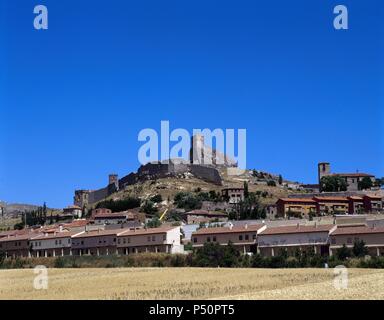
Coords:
69,240
125,240
129,240
214,239
349,240
149,238
82,242
254,236
195,240
164,237
153,238
246,237
208,239
114,239
59,241
240,237
333,241
118,241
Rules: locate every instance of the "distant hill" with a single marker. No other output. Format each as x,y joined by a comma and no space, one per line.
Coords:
16,209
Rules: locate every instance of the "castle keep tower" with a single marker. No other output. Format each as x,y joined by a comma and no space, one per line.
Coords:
113,179
197,149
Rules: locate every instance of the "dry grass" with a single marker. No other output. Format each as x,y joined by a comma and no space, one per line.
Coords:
191,283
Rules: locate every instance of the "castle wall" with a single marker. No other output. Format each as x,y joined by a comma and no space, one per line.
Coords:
206,173
128,180
98,195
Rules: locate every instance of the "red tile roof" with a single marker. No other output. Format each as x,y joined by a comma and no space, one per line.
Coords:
355,174
142,231
325,199
297,229
205,213
98,233
64,234
356,230
76,223
301,200
235,229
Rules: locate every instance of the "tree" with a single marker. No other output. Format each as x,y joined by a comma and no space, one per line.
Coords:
359,249
343,252
365,183
157,198
379,182
214,255
280,179
149,208
188,201
154,223
18,226
333,184
271,183
119,205
246,193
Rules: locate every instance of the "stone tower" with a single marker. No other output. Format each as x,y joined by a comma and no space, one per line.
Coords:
113,179
81,198
323,169
113,182
197,149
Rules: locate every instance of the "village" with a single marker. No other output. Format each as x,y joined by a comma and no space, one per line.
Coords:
342,209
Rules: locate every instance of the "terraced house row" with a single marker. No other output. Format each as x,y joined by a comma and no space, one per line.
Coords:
269,241
50,243
324,205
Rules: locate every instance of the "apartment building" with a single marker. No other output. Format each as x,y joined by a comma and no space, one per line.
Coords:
373,203
244,238
326,205
17,245
373,238
163,239
295,207
234,195
291,238
51,244
331,205
95,242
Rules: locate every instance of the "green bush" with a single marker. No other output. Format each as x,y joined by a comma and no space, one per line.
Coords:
119,205
59,262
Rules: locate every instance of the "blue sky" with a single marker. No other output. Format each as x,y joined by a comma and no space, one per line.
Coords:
74,97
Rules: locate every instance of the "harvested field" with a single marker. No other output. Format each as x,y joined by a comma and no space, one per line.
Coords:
191,283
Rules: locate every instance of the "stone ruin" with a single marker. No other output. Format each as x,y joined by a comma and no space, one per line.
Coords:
203,163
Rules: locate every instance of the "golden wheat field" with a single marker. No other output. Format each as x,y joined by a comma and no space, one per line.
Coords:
191,283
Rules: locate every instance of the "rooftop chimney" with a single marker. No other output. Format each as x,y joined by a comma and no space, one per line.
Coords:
297,226
246,226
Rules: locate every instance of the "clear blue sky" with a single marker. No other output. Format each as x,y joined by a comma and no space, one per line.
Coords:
74,97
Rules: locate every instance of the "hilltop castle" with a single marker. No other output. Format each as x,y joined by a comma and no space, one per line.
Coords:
203,163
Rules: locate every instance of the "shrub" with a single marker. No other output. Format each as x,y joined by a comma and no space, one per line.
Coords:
359,249
188,201
59,262
343,252
157,198
271,183
119,205
149,208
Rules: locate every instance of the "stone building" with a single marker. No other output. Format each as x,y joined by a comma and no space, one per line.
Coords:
352,179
